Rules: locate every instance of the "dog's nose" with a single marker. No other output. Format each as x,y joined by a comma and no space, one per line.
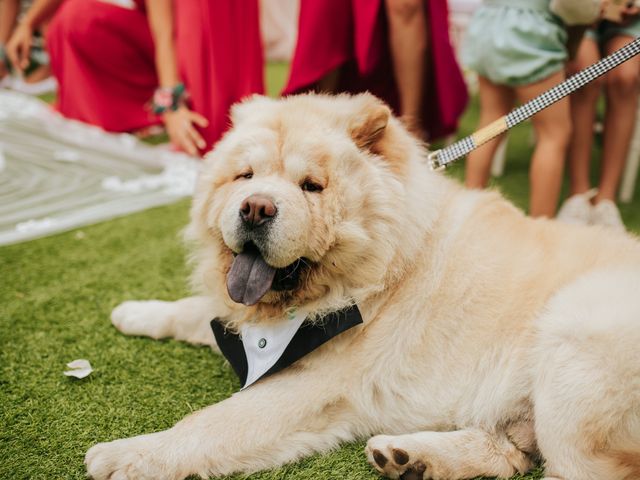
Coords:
257,210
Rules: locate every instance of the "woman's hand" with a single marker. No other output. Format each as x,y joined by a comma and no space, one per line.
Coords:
630,13
182,133
19,46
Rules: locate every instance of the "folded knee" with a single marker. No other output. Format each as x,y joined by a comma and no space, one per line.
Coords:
623,82
557,137
591,90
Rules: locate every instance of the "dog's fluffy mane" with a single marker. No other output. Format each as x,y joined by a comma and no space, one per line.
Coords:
388,159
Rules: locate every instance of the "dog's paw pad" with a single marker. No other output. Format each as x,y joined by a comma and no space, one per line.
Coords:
379,458
394,461
400,456
414,472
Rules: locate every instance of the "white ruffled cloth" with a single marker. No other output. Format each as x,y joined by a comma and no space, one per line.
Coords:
58,174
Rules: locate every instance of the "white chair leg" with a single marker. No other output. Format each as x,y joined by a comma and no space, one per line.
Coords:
628,184
500,158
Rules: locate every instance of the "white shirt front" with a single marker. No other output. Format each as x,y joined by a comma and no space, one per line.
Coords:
265,344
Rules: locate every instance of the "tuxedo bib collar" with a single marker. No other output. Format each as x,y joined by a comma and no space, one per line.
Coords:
259,351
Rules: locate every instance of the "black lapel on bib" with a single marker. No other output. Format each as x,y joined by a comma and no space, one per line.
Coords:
308,337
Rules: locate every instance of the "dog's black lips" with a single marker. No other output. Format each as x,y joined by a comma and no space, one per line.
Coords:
288,278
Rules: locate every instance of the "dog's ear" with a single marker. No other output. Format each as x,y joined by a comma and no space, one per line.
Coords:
369,120
248,107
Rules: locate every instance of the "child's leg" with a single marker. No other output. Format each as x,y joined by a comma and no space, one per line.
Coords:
553,130
495,102
583,112
622,102
329,83
408,41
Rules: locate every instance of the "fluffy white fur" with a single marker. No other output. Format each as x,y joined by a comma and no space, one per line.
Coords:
488,339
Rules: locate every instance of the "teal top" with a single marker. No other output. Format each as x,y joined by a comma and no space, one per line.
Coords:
515,42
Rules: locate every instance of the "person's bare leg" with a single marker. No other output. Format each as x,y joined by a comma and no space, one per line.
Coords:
553,131
329,83
622,104
583,113
409,42
495,102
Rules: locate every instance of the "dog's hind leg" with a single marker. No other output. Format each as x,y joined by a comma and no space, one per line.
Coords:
187,319
587,381
452,455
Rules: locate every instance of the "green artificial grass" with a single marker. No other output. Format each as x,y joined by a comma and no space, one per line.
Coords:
56,294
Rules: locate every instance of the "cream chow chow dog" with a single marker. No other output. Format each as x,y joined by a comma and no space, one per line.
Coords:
487,340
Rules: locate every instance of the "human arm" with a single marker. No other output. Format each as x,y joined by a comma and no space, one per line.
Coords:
8,15
179,122
630,13
19,45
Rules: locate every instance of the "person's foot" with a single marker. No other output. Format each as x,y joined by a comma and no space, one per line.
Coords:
606,213
5,81
34,88
577,209
43,72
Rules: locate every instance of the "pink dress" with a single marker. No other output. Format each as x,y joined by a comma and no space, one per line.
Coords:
103,57
352,34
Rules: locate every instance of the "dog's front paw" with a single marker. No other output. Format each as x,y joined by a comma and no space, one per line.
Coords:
129,458
393,460
150,318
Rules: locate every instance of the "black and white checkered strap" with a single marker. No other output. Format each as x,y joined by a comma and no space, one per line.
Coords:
441,158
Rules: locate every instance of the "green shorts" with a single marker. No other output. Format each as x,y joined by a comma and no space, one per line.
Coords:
515,42
605,31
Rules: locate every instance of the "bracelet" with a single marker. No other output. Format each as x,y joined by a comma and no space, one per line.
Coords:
3,54
168,99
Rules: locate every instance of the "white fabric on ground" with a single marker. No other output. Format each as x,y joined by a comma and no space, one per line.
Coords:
57,174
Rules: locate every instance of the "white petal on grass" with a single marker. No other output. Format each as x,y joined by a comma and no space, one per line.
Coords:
79,368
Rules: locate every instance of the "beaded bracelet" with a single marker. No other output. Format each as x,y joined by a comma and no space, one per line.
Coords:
168,99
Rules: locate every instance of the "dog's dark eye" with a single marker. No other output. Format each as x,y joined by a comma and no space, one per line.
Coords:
246,175
309,186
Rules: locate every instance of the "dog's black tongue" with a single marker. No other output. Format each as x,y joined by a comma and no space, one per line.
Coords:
249,278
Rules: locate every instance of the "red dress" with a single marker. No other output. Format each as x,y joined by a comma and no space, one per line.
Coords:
103,57
353,34
219,56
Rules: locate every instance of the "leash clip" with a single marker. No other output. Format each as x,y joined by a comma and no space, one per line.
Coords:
433,160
